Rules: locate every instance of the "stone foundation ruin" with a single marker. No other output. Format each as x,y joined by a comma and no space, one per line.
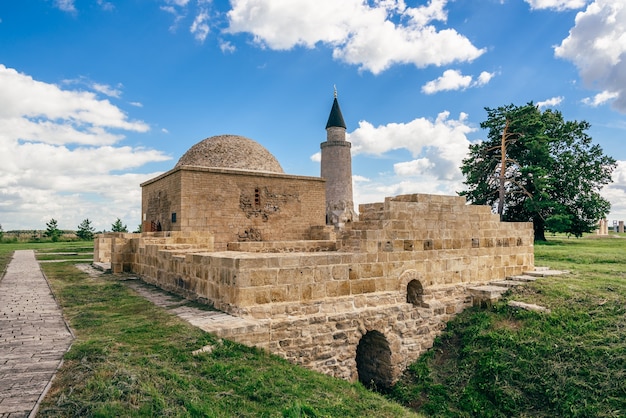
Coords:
360,303
359,299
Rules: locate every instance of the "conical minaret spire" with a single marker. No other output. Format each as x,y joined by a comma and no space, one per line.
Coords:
336,168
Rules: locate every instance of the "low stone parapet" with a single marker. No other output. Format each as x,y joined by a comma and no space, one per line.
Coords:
307,246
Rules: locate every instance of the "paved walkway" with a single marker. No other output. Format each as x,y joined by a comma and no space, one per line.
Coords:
33,336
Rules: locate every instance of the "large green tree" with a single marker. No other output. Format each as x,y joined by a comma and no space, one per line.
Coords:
536,167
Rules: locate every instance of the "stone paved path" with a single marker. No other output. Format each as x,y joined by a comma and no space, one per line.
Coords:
33,336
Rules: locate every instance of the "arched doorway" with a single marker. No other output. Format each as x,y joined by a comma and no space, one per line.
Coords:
415,293
373,361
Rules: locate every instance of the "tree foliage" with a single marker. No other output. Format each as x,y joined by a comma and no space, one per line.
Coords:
1,232
117,226
537,167
52,230
85,230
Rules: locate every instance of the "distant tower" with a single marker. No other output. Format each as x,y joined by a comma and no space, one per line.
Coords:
337,170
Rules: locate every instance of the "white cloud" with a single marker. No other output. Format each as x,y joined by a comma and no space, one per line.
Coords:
616,193
200,28
600,98
437,147
65,5
317,157
454,80
484,78
227,47
417,167
105,5
360,33
179,3
441,144
559,5
136,104
597,46
108,90
450,80
49,102
59,157
551,102
360,179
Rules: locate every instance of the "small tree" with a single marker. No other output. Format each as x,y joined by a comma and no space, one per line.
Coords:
1,233
85,230
52,230
117,226
138,230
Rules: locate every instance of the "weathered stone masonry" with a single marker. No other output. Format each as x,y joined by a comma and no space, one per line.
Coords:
381,289
359,298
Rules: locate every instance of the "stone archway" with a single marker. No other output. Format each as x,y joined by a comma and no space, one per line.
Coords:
415,293
373,361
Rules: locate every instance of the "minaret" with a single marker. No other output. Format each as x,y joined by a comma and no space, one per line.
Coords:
337,170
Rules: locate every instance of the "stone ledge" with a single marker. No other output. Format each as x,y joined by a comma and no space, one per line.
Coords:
508,283
302,246
486,295
545,273
522,278
105,267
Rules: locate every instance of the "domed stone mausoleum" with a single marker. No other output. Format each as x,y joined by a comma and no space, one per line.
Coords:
297,271
234,188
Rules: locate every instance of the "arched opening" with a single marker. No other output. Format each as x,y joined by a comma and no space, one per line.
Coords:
415,293
373,361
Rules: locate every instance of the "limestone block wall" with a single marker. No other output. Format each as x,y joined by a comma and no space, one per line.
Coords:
160,198
336,343
384,289
102,249
461,243
439,238
236,205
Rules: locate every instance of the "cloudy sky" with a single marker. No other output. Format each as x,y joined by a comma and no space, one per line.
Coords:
98,96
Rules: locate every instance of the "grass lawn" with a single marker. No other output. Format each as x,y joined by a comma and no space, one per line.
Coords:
505,362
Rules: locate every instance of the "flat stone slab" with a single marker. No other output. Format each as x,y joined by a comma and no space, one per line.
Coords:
106,267
545,273
487,289
33,336
507,283
528,306
522,278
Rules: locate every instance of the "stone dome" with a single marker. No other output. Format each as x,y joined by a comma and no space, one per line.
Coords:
230,151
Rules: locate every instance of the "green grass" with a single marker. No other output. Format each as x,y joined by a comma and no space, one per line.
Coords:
131,358
7,248
505,362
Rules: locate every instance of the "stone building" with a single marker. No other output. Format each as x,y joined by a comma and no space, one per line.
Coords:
357,298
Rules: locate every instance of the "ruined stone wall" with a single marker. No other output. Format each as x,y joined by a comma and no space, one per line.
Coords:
238,205
400,273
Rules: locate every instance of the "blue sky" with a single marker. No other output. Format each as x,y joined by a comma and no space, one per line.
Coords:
98,96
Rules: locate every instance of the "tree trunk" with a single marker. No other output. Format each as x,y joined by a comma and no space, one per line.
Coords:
502,169
539,226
